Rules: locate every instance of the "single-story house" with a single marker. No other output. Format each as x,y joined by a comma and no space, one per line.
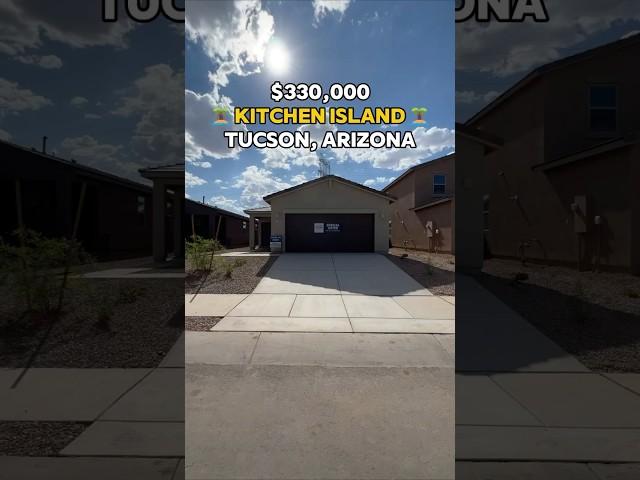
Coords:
327,214
422,217
111,216
207,221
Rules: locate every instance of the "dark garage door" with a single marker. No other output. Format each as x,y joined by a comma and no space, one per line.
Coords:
343,232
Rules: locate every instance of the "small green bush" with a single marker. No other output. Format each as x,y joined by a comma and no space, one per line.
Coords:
200,253
38,267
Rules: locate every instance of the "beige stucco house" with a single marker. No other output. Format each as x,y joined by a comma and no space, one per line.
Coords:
328,214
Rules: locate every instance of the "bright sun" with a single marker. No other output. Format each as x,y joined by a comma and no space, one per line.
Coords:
277,58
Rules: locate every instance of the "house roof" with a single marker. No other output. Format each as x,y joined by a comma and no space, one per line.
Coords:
219,211
326,178
600,148
417,167
432,204
258,210
549,67
173,171
81,169
490,141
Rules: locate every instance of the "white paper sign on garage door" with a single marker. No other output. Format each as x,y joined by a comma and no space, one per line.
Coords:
318,228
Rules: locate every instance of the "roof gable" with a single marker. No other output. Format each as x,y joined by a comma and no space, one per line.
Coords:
326,178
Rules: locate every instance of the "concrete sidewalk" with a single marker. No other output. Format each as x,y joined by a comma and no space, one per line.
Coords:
136,420
521,398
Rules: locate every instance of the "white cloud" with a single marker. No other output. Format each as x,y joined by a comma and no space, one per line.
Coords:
16,99
25,24
503,49
378,181
255,183
234,35
217,181
469,97
429,142
192,180
284,158
298,179
48,62
202,138
4,135
92,116
103,156
155,98
225,203
79,101
322,8
202,164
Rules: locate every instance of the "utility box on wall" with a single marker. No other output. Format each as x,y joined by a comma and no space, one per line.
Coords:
579,208
429,228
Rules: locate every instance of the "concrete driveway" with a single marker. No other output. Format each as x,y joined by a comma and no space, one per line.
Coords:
337,366
363,293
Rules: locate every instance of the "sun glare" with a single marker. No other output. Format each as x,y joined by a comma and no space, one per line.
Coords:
277,58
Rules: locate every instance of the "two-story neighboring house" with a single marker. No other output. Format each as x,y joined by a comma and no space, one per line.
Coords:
565,185
422,217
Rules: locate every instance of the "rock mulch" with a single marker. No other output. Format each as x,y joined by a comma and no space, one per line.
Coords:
614,291
244,278
200,324
436,272
37,439
603,339
107,323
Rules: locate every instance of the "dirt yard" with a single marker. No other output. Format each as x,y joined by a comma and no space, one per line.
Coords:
593,316
615,291
435,272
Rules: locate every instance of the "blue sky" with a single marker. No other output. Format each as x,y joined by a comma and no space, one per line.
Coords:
403,50
109,95
490,58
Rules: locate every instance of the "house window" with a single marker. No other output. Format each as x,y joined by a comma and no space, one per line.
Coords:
603,108
439,184
140,209
244,225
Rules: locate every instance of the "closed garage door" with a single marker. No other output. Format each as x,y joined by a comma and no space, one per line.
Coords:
320,232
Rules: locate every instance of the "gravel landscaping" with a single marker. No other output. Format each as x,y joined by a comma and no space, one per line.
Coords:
37,439
614,291
200,324
603,339
436,272
244,278
115,323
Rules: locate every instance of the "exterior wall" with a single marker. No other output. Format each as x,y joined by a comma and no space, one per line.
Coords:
471,187
231,233
566,99
442,217
408,227
110,225
332,196
540,123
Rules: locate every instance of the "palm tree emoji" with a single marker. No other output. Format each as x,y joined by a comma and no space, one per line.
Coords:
220,113
419,111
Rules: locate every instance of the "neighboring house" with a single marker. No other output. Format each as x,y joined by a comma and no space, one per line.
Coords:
168,205
422,217
563,188
207,221
115,217
328,214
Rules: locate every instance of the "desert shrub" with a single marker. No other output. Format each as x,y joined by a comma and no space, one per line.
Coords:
38,267
200,253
